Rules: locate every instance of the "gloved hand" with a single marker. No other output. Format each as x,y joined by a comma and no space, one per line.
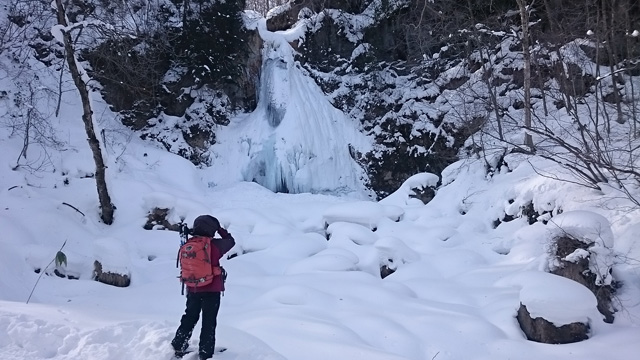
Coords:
223,232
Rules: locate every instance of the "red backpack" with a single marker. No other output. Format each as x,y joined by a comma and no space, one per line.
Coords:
195,262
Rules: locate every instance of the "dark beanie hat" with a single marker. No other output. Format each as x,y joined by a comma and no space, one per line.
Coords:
205,225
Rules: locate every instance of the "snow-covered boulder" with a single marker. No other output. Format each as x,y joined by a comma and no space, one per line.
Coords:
394,252
367,213
552,309
357,233
540,330
334,259
582,251
112,262
419,189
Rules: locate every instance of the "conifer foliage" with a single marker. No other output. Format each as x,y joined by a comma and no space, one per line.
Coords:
212,41
145,70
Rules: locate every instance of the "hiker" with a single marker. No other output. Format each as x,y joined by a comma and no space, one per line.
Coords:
204,298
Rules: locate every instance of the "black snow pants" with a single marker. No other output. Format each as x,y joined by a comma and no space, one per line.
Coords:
208,303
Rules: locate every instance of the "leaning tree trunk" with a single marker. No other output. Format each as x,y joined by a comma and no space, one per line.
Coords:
106,206
524,16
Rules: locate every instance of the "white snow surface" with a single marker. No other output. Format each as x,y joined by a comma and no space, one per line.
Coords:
291,293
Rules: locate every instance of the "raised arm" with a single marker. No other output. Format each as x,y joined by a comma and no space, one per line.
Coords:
225,243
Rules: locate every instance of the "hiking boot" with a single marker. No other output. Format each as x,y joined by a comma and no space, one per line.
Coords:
180,354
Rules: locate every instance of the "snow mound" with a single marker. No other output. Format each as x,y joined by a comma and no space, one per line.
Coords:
404,195
365,213
556,299
585,226
594,230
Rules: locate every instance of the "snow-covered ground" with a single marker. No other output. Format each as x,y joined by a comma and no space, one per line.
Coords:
291,293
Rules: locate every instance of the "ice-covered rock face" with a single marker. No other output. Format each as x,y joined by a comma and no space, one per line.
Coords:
275,90
299,141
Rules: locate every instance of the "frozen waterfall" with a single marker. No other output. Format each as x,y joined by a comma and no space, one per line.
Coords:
296,140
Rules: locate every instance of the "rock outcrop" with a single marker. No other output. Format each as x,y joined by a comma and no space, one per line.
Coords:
574,258
108,277
541,330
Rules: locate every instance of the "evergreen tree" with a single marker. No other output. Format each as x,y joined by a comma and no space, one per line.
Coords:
212,45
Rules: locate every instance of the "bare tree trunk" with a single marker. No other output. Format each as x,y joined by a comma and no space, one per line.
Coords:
542,85
60,89
27,127
493,91
186,4
106,206
551,16
598,85
613,59
545,107
524,17
634,113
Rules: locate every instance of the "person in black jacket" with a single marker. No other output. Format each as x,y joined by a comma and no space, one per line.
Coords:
204,299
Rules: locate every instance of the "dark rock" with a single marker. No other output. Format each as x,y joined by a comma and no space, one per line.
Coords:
529,212
499,165
395,161
454,84
573,81
543,331
58,273
425,194
109,278
157,219
329,43
197,137
517,76
243,92
579,271
386,271
284,19
63,274
612,98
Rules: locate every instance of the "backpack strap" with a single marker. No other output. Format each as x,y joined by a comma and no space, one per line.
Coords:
178,266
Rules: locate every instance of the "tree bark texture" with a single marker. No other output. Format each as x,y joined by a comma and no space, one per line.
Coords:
106,206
